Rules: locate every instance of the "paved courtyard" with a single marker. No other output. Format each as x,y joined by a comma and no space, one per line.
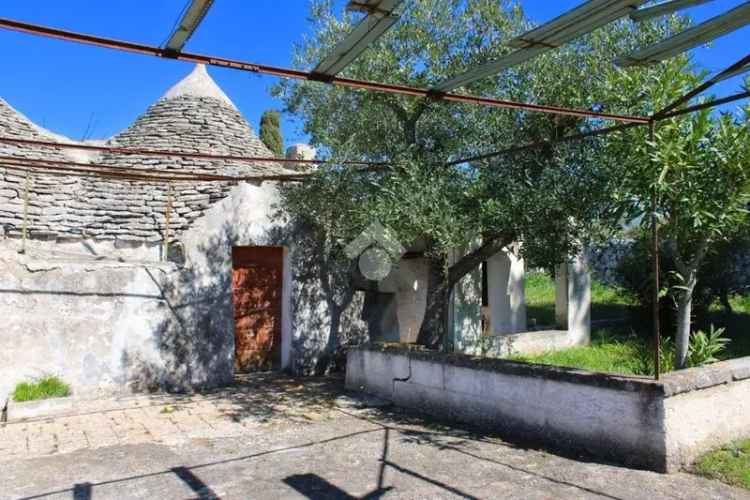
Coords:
279,437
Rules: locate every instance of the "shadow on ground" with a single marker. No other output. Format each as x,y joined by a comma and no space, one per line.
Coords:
397,452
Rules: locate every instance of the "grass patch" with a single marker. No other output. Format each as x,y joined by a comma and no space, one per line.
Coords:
46,387
729,464
620,350
539,291
610,352
606,302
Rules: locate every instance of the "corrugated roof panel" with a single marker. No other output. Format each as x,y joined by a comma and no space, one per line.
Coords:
693,37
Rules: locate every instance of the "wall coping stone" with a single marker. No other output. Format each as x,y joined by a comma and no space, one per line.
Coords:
671,384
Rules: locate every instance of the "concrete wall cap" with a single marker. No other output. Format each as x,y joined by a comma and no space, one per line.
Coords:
671,384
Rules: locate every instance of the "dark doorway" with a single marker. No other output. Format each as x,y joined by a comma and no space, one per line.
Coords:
257,282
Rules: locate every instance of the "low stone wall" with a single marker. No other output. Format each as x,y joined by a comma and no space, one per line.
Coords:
528,343
638,422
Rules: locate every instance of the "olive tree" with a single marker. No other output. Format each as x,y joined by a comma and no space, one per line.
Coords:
550,198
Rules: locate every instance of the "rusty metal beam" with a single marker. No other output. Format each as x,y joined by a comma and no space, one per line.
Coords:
73,168
706,105
149,50
176,154
655,263
533,145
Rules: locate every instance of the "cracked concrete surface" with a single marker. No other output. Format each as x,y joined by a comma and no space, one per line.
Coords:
276,437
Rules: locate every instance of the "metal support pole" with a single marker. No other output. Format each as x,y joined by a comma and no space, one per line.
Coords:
655,262
25,226
167,219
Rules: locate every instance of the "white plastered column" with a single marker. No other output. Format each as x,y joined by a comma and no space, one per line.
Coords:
505,293
573,299
408,281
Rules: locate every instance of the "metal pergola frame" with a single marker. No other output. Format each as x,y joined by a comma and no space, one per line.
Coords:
558,32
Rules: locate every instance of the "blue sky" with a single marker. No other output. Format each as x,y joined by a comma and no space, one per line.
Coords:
78,90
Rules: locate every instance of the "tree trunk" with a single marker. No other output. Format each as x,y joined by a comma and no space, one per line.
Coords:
323,363
724,300
684,311
440,283
435,323
689,273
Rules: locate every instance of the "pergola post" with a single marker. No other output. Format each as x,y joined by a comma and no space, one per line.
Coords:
655,263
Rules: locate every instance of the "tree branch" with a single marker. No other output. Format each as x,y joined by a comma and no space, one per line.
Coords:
470,261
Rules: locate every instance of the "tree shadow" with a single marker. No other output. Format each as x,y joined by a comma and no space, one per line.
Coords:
194,334
397,426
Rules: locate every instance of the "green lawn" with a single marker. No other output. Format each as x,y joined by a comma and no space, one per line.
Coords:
729,464
620,349
606,302
44,388
611,351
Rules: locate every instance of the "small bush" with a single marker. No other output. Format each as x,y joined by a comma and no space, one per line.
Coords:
705,348
46,387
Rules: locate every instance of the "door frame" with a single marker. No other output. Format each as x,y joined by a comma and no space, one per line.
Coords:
286,304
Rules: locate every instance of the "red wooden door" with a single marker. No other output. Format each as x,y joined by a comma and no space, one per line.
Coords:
257,280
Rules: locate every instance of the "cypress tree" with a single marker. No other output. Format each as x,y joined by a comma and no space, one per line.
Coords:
270,132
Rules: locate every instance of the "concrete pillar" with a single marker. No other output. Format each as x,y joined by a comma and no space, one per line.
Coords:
505,293
408,281
465,311
573,299
561,296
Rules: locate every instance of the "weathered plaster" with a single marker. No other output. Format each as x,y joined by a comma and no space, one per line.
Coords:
636,421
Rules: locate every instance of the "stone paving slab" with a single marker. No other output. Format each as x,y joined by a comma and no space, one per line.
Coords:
254,402
287,440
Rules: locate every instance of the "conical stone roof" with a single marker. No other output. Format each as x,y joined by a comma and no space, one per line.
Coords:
49,195
194,116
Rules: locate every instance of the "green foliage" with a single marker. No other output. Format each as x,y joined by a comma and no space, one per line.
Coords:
706,347
270,132
609,352
553,198
612,351
698,167
729,464
46,387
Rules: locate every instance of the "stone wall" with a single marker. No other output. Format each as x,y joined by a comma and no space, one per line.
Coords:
64,208
97,325
107,319
605,258
638,422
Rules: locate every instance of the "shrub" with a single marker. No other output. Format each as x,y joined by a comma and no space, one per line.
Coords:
46,387
705,348
723,273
